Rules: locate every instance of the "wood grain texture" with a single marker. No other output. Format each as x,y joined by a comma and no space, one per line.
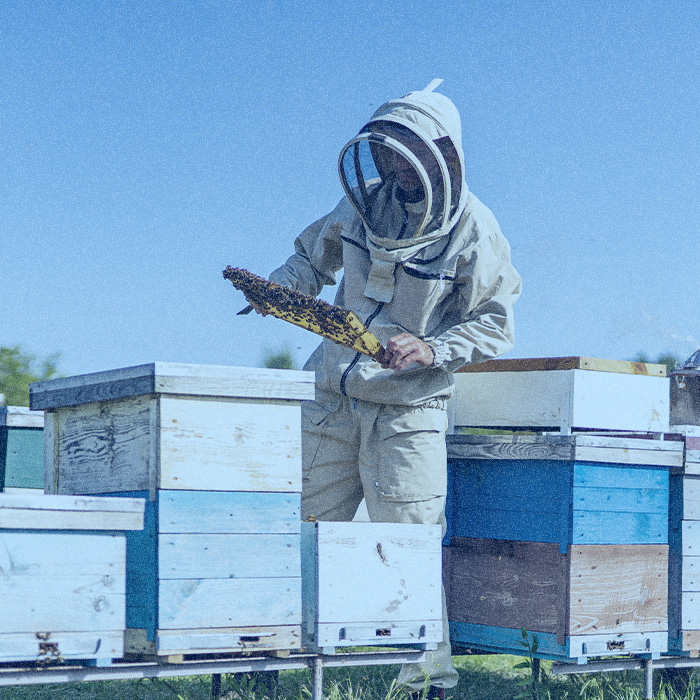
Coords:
510,447
75,582
201,603
105,447
508,584
172,378
229,445
618,588
562,363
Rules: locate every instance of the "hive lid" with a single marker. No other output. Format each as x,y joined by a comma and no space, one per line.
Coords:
53,512
539,364
20,417
173,378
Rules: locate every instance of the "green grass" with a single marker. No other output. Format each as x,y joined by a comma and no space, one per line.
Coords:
481,678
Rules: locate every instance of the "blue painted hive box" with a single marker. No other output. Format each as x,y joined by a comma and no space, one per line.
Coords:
62,576
217,451
21,449
565,537
575,489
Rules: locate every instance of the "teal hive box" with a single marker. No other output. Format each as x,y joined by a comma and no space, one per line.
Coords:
21,449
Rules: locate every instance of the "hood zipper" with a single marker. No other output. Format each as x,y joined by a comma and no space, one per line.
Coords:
355,360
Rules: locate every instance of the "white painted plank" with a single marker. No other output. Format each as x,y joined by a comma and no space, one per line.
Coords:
691,498
16,519
623,455
228,556
105,447
20,417
620,401
598,644
378,571
196,603
53,581
172,378
624,442
226,639
230,445
691,537
691,573
690,610
59,512
238,382
87,504
381,632
103,644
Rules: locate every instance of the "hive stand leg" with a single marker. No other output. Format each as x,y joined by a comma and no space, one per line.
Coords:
648,679
216,686
317,689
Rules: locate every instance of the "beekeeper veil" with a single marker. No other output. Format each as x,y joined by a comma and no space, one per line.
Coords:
404,175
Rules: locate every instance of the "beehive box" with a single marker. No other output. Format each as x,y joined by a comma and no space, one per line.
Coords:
62,576
576,489
21,449
218,452
684,554
371,584
567,393
685,397
591,600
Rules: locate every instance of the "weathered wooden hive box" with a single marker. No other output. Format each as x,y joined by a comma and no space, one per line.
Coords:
217,451
563,393
684,552
563,536
63,576
21,449
371,584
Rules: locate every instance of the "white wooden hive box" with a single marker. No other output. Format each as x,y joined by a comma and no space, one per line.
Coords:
371,584
63,576
563,393
173,426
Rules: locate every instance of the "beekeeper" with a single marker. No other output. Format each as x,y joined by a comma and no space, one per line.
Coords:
428,271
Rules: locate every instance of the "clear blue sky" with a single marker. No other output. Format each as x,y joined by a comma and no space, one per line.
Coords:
144,146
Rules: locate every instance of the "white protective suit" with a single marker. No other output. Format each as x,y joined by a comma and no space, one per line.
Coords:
431,262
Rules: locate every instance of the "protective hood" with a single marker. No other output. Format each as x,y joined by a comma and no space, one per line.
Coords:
404,175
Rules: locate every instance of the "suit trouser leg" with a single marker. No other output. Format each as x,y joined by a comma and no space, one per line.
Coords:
396,457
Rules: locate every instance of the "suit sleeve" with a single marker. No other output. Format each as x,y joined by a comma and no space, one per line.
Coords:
318,255
487,287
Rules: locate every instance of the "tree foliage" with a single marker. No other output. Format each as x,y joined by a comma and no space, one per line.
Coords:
19,369
665,358
281,358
